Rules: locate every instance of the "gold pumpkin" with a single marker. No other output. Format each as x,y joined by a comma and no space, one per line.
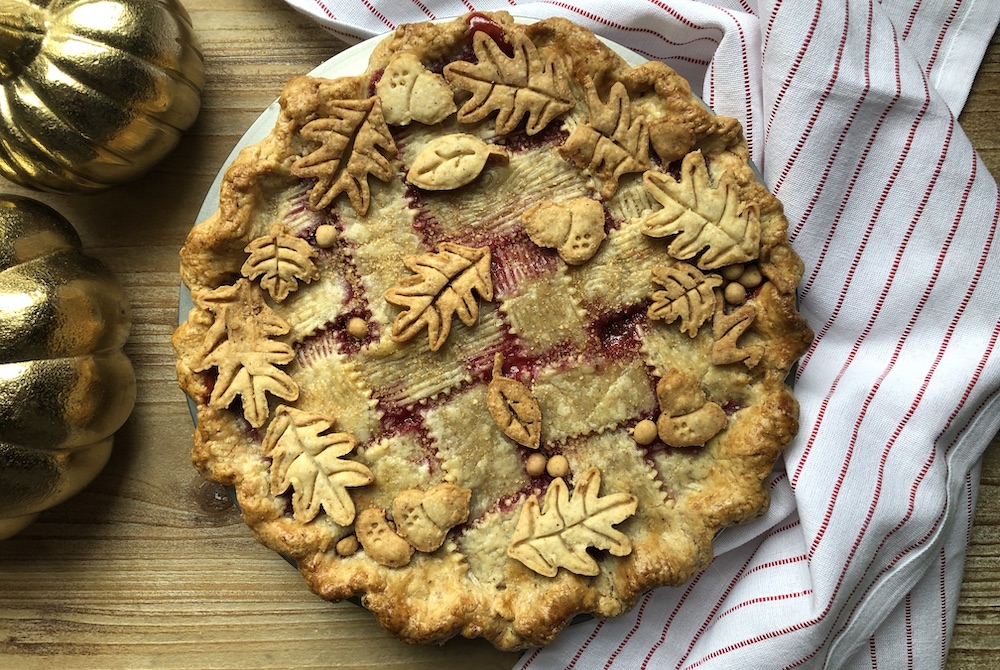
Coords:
94,91
65,384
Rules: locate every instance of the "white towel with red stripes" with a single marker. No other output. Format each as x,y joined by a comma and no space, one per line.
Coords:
849,107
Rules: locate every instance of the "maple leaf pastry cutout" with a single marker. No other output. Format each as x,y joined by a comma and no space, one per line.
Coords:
354,142
611,143
558,533
240,344
444,285
308,457
281,260
521,85
703,218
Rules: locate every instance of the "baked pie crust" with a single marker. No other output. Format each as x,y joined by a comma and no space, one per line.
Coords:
494,334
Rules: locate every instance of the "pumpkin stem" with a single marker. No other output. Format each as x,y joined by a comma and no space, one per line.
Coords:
22,29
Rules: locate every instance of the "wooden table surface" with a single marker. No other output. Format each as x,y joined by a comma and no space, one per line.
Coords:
150,567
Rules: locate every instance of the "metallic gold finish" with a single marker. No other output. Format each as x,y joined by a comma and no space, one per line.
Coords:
65,385
94,92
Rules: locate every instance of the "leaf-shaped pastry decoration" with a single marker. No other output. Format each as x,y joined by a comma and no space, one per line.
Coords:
444,286
517,86
451,161
281,260
354,142
513,407
559,533
727,329
703,217
307,457
611,143
687,294
240,344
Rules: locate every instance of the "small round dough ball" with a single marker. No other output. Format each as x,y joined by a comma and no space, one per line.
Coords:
535,465
751,277
348,546
326,236
735,293
732,272
644,432
357,328
557,466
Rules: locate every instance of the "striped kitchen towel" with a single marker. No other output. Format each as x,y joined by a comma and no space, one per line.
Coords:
849,107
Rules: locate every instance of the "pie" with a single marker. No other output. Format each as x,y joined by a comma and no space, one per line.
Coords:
494,334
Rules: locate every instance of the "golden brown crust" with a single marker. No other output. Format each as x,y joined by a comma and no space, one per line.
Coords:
462,435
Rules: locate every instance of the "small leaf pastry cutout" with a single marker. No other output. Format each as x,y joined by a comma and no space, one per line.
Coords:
240,344
687,418
575,229
444,286
686,294
558,533
727,329
411,92
281,260
522,85
611,143
514,408
423,518
451,162
704,218
308,457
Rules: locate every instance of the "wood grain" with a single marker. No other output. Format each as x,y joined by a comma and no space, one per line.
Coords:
150,567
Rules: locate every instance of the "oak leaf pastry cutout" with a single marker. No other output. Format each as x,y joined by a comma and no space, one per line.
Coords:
702,217
521,85
727,330
379,539
558,534
308,458
686,294
452,161
423,518
445,285
575,229
513,407
411,92
687,418
241,344
281,260
354,142
611,143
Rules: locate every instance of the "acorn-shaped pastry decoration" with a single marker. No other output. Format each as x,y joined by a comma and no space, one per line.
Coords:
94,91
65,384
